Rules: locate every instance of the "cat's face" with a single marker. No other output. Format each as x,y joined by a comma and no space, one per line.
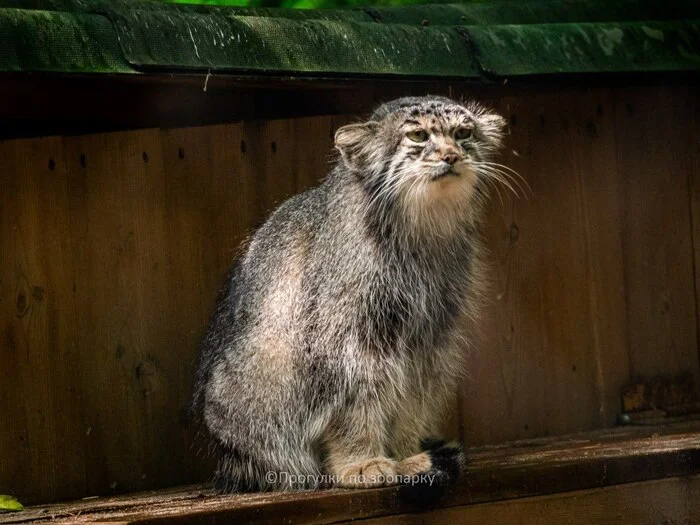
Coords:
423,150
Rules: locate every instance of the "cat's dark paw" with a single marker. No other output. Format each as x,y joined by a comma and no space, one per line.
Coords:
448,461
440,464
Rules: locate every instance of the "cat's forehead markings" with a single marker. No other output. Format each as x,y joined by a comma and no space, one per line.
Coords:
426,122
436,124
439,111
422,121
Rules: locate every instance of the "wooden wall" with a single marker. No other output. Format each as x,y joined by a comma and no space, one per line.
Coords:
113,247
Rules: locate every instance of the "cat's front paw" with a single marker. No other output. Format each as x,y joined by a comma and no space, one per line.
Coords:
375,472
448,462
440,463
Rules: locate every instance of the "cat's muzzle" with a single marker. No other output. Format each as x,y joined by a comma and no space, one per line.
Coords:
447,170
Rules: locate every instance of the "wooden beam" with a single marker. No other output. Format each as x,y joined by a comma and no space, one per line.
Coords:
516,470
668,501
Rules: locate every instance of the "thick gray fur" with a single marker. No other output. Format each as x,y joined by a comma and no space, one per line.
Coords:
341,331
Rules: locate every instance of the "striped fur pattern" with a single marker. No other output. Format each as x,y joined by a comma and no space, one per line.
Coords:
340,333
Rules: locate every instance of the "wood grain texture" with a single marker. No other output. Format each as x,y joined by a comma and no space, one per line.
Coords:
554,350
655,144
41,409
111,261
210,207
648,503
693,152
121,295
497,473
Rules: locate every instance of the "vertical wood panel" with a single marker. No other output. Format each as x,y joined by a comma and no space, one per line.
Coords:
211,205
694,162
274,145
594,151
537,348
655,142
118,234
553,353
311,162
41,423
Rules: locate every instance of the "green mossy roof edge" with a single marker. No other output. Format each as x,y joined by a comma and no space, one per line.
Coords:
123,36
59,42
650,46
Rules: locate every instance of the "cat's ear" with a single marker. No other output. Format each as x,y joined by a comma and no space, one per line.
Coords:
353,141
492,126
493,120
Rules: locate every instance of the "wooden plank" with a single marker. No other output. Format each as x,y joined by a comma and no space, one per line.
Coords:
312,161
515,470
554,331
118,230
289,156
495,368
591,122
272,146
41,428
13,437
673,500
653,161
40,104
45,104
693,153
210,206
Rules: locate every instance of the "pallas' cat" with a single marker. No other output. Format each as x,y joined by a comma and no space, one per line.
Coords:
340,333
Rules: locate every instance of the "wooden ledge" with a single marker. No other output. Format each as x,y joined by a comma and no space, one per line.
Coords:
513,470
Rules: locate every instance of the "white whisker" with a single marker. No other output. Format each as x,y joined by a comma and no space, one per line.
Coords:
508,170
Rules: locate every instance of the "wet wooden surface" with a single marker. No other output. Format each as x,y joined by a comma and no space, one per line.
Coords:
516,470
667,501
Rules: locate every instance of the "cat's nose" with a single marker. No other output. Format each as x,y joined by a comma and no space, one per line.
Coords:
450,157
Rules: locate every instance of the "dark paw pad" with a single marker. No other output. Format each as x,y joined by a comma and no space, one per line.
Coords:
448,462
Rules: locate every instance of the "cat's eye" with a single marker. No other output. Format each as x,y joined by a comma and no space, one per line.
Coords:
417,135
463,133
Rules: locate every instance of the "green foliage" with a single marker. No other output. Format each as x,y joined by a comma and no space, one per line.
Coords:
8,503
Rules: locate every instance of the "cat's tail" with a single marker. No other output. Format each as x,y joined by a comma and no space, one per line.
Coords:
441,463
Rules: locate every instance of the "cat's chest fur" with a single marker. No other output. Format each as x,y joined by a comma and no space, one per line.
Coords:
413,302
398,301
